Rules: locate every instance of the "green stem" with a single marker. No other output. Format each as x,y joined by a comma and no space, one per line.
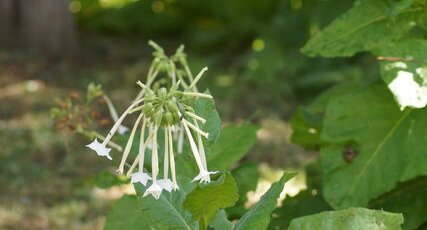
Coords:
202,224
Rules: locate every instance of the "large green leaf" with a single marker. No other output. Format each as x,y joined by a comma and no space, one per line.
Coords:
205,108
404,69
232,145
205,201
305,203
131,212
258,217
246,176
365,26
410,199
352,218
307,120
387,146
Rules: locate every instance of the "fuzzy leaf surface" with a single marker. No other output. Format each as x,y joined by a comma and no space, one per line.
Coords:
352,218
232,145
390,146
205,201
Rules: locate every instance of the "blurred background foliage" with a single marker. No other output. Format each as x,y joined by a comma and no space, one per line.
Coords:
256,73
252,47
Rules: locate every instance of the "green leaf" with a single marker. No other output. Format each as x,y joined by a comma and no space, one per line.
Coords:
258,217
387,146
306,128
205,108
125,214
365,26
246,176
232,145
404,69
205,201
306,202
410,199
220,222
307,120
131,212
107,179
352,218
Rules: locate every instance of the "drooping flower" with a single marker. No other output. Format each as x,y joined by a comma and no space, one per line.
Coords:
100,148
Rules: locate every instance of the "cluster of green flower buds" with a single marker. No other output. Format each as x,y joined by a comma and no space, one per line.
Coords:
161,108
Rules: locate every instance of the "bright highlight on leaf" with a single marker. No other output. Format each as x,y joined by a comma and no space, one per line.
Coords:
407,91
404,69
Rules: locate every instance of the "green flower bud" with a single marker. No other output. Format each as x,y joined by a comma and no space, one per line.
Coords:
147,107
158,117
169,118
172,107
162,92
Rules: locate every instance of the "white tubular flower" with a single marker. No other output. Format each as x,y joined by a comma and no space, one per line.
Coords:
140,176
165,183
195,128
194,116
100,148
180,139
142,147
193,84
149,144
155,189
193,146
172,159
201,147
194,94
129,144
113,113
204,175
141,156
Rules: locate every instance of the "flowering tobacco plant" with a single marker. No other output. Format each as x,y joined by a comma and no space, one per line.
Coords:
165,103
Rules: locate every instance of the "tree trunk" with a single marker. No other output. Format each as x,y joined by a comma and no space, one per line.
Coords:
7,22
45,25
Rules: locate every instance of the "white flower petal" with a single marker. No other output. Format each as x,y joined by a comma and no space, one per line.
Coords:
165,184
155,190
140,177
100,149
204,176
